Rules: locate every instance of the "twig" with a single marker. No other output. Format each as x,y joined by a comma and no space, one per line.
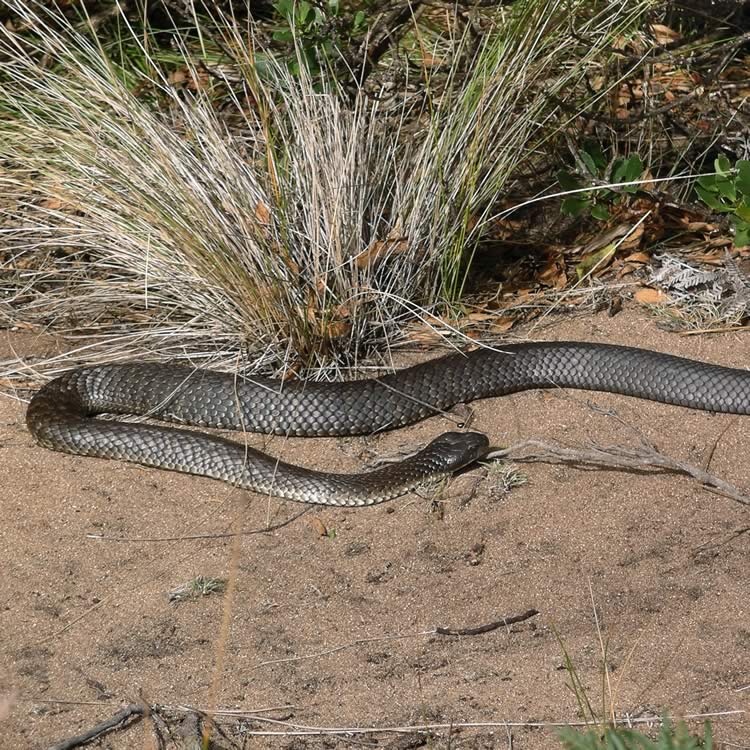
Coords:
394,25
490,626
192,537
420,633
293,729
118,721
617,456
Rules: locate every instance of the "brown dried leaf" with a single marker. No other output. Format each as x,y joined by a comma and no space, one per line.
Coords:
647,178
700,226
337,329
554,275
663,34
638,258
648,296
381,248
502,324
633,240
395,243
179,76
424,334
262,213
502,229
430,60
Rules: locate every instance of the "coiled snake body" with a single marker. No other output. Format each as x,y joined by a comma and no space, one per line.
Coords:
60,414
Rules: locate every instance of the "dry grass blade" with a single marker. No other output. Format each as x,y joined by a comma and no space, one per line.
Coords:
304,232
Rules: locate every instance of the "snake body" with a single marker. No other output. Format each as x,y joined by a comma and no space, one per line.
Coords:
60,414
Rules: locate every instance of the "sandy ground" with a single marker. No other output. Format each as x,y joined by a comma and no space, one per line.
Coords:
329,631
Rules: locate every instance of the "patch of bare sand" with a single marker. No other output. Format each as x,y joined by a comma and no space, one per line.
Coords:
86,624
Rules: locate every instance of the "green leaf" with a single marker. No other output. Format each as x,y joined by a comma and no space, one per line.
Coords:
618,170
360,20
633,167
588,160
741,233
743,210
712,200
708,735
616,740
726,188
594,150
574,206
743,177
723,166
594,260
633,171
600,212
708,182
284,8
284,35
567,180
628,170
302,11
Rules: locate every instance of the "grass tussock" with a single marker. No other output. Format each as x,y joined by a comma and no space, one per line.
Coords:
267,214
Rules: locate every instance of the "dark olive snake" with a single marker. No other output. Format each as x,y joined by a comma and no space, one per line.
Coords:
60,414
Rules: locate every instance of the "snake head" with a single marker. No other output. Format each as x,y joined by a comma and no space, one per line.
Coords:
458,449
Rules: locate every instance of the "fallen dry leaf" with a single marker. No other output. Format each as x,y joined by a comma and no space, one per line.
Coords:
477,317
700,226
394,244
430,60
381,248
262,213
633,240
648,296
554,275
424,334
663,34
638,258
337,329
318,526
502,324
178,77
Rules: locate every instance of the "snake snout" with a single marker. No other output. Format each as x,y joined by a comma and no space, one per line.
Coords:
459,449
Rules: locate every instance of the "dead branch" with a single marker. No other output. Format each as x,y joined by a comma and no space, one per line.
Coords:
490,626
385,32
120,720
617,456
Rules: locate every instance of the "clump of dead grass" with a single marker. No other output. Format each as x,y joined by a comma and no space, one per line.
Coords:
302,231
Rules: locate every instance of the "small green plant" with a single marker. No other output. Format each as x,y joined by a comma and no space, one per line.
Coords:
619,738
316,29
197,587
505,477
595,166
728,192
603,731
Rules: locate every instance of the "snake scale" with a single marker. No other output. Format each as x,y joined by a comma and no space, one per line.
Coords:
60,415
